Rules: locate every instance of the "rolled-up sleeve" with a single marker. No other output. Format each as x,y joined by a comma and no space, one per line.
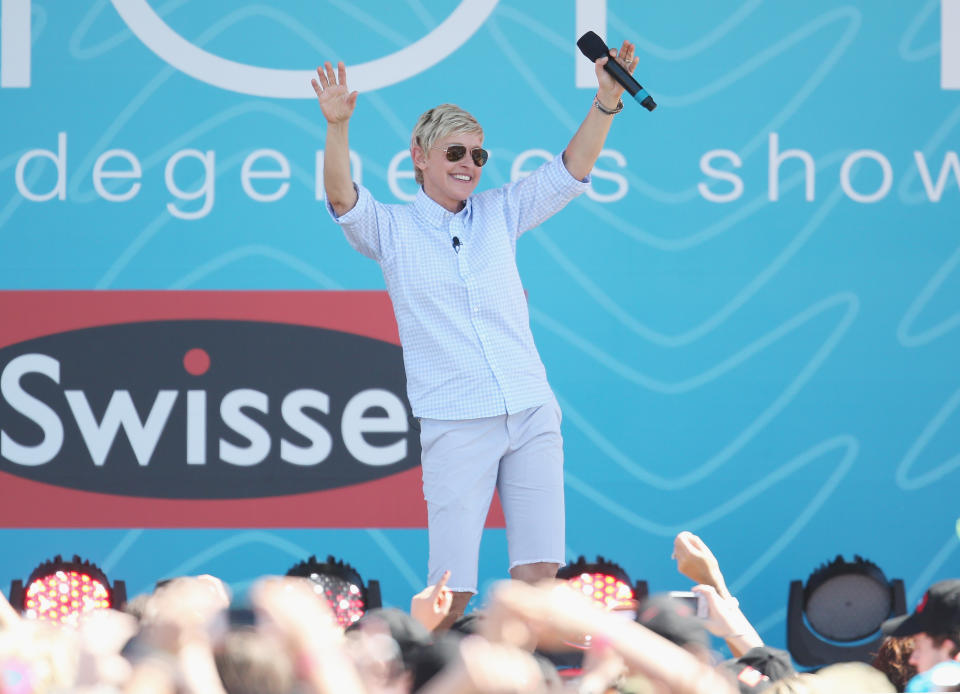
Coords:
543,193
362,223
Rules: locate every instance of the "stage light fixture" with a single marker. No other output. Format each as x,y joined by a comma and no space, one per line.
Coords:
60,592
341,586
608,585
836,616
604,582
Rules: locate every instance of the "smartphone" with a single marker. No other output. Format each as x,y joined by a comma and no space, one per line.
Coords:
696,601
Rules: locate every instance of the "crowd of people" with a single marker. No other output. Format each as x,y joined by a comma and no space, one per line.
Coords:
189,636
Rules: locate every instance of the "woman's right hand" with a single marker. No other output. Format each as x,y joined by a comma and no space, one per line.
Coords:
336,100
696,562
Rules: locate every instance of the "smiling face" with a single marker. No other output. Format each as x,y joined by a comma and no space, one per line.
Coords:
449,183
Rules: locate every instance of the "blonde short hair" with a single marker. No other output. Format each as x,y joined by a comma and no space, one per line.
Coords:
438,123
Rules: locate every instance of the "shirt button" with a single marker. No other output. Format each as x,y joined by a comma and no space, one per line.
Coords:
476,309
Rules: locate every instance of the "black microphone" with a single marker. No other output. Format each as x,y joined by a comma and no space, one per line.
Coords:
456,243
593,47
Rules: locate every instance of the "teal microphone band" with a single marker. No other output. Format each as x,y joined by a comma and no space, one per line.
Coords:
644,99
594,48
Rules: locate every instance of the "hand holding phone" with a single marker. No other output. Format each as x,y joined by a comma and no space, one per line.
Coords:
696,601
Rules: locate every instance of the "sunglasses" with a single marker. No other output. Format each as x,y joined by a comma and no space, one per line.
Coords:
457,152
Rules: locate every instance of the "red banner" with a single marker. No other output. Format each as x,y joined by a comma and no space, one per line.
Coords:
205,409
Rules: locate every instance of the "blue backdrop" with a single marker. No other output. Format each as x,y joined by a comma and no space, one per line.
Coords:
751,322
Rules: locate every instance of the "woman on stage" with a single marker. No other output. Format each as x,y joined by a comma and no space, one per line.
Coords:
474,378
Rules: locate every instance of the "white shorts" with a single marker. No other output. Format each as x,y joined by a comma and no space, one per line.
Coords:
521,455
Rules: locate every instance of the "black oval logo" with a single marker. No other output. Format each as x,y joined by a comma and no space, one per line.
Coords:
204,409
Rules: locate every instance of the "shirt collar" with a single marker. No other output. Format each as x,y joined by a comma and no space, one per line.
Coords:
434,213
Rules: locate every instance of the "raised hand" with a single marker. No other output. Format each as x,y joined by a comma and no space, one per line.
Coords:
696,562
483,667
9,619
292,609
182,610
336,100
724,619
556,614
432,604
609,90
550,615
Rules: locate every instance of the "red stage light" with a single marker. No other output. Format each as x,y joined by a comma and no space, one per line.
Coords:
607,591
344,598
61,592
341,586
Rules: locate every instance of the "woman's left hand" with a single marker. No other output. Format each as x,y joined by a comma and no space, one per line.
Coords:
609,90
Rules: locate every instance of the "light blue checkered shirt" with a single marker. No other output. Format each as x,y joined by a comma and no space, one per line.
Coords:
462,313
